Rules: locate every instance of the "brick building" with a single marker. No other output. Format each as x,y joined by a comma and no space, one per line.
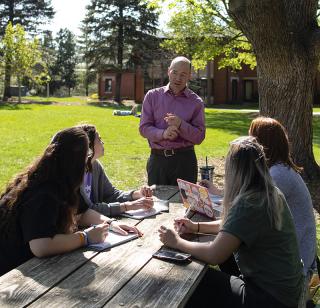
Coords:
215,86
132,84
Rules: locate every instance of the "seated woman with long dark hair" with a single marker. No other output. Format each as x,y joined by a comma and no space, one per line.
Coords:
257,227
40,210
97,190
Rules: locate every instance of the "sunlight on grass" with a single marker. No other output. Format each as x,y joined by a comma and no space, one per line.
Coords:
51,99
26,129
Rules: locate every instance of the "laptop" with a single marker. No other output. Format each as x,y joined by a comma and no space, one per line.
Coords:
197,198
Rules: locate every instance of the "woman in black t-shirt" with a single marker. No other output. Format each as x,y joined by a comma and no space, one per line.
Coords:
40,210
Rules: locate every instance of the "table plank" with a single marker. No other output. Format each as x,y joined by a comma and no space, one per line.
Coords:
33,278
164,284
100,279
165,192
30,280
160,284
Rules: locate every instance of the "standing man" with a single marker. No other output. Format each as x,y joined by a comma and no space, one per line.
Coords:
172,120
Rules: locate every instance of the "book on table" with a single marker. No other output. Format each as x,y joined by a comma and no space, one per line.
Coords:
113,239
159,206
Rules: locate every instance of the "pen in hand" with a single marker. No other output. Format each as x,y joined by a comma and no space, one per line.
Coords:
185,216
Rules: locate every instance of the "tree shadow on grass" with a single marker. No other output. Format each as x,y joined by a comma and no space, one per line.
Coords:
107,105
10,106
234,123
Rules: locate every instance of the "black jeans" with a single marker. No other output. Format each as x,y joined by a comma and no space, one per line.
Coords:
218,289
166,170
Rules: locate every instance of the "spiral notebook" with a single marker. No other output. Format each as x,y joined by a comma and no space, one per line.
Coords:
159,206
113,239
197,198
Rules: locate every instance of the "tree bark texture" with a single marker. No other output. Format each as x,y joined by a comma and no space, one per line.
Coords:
7,82
7,72
285,38
119,56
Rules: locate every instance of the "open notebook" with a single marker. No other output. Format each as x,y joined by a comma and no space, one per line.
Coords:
113,239
158,207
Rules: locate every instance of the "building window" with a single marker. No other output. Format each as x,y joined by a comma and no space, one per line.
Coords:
248,90
108,86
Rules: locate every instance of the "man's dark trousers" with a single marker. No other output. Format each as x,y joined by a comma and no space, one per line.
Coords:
164,168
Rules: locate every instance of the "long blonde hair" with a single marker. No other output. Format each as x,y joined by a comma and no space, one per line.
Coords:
247,177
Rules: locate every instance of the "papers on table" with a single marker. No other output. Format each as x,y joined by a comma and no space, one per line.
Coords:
158,207
113,239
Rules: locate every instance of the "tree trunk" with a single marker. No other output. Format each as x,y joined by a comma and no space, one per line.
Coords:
19,90
7,82
118,87
119,55
283,34
7,72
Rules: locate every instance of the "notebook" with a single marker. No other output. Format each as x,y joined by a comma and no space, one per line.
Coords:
159,206
113,239
197,198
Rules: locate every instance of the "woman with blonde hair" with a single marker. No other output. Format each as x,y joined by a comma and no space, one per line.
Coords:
257,228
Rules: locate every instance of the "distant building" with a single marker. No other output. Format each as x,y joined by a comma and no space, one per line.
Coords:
132,84
215,86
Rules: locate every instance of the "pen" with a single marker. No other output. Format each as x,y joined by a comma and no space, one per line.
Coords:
185,216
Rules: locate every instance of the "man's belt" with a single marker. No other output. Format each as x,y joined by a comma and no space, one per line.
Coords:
171,152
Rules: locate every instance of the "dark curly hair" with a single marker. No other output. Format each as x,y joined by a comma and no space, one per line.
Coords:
62,165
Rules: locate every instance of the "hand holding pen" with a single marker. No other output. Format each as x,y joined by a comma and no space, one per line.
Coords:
146,191
212,189
184,225
97,233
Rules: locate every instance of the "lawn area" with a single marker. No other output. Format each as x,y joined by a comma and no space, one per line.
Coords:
26,129
65,100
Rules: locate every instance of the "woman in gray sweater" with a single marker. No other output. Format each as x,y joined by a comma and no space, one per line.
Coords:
273,137
97,190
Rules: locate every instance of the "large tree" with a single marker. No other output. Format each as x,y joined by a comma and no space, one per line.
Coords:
284,36
88,75
23,56
66,60
113,29
29,14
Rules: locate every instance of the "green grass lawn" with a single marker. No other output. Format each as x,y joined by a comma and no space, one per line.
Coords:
26,129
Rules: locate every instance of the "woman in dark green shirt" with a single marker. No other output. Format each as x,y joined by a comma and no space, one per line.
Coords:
257,228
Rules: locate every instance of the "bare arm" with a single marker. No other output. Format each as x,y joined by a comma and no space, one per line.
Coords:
91,217
62,243
215,252
185,225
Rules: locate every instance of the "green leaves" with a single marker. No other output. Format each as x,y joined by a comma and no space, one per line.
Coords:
22,55
202,30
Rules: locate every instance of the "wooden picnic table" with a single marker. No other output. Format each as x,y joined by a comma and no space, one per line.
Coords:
123,276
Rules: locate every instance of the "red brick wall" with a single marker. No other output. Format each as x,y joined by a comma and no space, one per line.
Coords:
131,85
219,84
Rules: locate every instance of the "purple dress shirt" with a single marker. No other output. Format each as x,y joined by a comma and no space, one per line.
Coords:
187,105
